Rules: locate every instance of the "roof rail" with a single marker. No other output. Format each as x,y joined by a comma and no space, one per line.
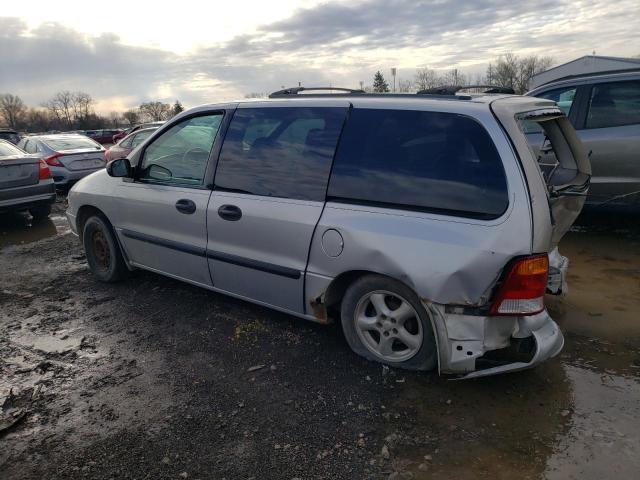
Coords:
296,90
454,89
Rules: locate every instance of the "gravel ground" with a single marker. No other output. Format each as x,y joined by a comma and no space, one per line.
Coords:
153,378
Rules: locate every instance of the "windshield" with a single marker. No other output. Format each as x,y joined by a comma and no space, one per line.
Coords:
78,142
7,149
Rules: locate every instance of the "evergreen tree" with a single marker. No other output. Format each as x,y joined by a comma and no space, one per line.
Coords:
379,83
177,107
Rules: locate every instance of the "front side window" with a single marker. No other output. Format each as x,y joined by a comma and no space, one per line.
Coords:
180,155
614,104
431,161
280,152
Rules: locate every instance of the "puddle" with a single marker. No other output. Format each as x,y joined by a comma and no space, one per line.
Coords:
603,440
17,229
604,287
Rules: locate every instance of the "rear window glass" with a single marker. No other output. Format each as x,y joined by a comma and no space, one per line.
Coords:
12,137
62,144
614,105
429,161
7,149
280,152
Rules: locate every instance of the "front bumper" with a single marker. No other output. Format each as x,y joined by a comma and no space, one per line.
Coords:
472,346
71,218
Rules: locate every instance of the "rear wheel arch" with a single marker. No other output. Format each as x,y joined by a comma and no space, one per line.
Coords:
336,290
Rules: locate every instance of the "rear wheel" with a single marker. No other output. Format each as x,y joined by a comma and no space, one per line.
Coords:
383,320
102,250
40,213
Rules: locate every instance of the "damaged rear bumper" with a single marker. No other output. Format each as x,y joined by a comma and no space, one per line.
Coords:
475,346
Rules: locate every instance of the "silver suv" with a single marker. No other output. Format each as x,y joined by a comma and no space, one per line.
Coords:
421,223
605,111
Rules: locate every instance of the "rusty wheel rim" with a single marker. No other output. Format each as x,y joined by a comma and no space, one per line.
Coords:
101,250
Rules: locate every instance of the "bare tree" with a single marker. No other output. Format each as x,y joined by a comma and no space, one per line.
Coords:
82,104
131,116
405,86
530,66
12,109
63,103
155,111
515,72
37,120
454,78
426,78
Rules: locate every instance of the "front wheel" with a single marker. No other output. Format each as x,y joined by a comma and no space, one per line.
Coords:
102,250
383,320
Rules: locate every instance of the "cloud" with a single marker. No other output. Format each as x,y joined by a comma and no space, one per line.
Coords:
332,43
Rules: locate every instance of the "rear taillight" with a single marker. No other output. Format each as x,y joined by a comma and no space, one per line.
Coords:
53,160
522,291
44,171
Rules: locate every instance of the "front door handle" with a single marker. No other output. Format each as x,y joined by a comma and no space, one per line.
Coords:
186,206
230,212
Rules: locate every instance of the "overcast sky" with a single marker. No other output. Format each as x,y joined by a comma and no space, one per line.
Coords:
126,52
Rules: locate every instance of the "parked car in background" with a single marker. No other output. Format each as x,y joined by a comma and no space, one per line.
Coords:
605,111
25,182
9,135
128,143
425,231
128,131
69,156
103,136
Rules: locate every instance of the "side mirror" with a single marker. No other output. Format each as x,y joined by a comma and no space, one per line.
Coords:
120,168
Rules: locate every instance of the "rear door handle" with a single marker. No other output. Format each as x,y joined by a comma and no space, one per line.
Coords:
230,212
186,206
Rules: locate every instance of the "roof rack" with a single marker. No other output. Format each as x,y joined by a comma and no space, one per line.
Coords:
453,89
297,90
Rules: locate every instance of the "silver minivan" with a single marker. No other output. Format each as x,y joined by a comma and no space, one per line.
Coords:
422,223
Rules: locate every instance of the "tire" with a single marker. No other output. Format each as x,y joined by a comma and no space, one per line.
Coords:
394,327
40,213
102,250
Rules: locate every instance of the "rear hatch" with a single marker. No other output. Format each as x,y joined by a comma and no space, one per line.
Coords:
540,131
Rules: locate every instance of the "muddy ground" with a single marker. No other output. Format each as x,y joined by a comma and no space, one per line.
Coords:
153,378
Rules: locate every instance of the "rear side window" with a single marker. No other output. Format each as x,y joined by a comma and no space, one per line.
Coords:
614,104
280,152
562,96
431,161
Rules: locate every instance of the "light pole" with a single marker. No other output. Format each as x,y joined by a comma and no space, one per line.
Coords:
393,74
